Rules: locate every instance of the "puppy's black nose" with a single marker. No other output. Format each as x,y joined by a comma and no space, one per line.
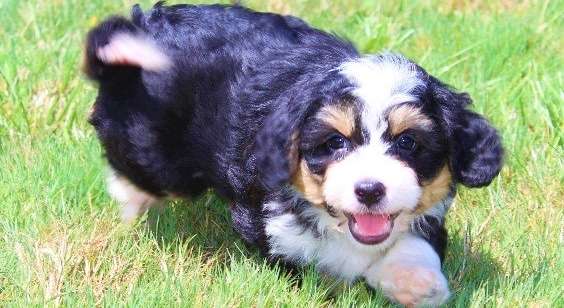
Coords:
369,192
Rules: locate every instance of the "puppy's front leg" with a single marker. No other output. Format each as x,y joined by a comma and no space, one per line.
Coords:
410,274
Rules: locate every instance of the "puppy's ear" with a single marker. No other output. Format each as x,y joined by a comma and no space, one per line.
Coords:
276,145
477,156
476,150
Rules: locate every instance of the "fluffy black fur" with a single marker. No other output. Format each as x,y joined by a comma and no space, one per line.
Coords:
242,83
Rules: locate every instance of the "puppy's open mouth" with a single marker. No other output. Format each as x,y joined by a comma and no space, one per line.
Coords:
371,228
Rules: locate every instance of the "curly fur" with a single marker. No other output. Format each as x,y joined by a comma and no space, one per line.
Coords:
196,97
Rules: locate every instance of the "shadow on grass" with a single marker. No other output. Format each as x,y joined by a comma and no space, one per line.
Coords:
205,224
471,271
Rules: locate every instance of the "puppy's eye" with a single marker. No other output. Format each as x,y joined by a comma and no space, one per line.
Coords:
336,142
406,143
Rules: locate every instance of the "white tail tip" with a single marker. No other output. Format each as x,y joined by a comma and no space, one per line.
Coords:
134,50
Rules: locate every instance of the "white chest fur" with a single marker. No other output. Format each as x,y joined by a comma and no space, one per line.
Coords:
405,267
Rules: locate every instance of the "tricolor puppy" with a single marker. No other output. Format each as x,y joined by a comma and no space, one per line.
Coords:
328,157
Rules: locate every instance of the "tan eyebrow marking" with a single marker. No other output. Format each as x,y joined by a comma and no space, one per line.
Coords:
406,116
339,117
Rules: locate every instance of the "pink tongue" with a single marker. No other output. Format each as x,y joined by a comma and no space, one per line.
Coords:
372,225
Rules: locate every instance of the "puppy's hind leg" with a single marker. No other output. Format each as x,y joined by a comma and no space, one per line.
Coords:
134,201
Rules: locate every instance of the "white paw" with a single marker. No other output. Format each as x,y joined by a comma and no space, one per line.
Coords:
413,285
134,201
130,212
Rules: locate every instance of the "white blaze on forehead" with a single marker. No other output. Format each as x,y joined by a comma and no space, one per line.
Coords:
381,82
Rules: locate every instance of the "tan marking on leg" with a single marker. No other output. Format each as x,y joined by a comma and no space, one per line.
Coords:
339,117
410,274
414,286
308,184
404,117
435,190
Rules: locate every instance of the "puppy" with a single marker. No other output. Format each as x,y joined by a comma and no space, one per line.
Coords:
327,157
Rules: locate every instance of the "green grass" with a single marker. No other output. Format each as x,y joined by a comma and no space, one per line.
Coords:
61,242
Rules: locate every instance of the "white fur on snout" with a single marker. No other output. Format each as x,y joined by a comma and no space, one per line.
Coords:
368,163
134,50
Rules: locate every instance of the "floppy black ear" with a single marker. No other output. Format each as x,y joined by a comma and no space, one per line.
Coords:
276,145
476,153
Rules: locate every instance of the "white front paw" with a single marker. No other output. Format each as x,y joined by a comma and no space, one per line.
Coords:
414,285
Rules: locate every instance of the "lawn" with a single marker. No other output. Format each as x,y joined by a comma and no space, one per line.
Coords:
61,241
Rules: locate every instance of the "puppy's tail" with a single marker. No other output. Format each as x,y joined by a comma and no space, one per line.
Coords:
118,49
